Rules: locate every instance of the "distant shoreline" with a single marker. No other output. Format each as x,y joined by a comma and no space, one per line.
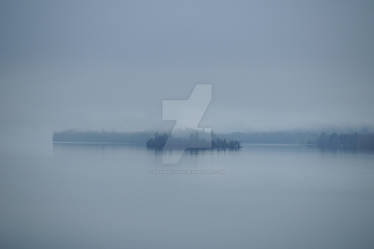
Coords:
153,140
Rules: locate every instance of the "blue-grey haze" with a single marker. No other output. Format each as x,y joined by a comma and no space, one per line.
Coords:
107,65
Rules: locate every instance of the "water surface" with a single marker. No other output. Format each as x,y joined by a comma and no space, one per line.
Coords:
86,196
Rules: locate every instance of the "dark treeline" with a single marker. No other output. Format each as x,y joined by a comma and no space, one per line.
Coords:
191,139
348,141
194,141
274,137
220,140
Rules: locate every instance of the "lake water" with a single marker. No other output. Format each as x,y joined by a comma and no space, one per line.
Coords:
125,197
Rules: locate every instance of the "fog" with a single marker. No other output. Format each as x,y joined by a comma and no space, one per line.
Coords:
109,64
282,72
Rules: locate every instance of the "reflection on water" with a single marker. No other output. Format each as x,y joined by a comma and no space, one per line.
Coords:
115,196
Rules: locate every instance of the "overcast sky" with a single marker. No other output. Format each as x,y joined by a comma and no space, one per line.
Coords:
108,64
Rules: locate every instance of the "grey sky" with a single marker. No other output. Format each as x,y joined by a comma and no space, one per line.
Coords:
108,64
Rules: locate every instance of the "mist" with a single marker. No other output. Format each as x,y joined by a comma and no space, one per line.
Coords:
285,159
95,65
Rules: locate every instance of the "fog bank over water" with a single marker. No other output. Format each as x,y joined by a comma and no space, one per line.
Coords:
289,163
93,65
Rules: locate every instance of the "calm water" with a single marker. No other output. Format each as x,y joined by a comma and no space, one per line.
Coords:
122,197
